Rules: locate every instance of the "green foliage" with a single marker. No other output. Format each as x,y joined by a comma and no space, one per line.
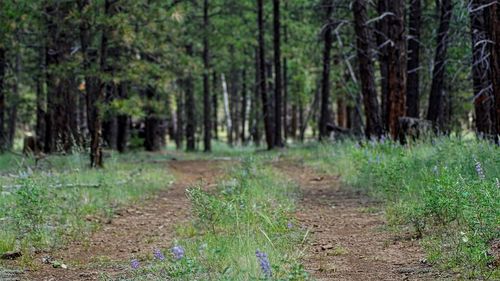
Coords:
433,188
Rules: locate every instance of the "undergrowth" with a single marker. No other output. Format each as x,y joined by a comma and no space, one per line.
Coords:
42,207
447,191
242,231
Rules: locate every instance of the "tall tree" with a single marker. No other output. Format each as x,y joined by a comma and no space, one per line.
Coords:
207,122
494,17
3,64
262,76
278,98
396,65
436,99
382,36
366,70
413,84
325,82
481,72
190,107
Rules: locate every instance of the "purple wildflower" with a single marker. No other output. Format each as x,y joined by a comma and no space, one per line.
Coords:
135,264
178,252
265,266
289,225
479,170
158,255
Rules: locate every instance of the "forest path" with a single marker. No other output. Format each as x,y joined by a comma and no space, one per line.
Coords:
133,232
347,236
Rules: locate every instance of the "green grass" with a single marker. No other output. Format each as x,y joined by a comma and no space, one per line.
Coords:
432,189
42,207
250,210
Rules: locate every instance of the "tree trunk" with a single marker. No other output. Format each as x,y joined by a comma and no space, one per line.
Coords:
413,84
396,70
227,112
207,136
255,104
483,99
153,124
436,100
494,25
372,111
92,88
190,108
60,102
179,134
382,42
243,112
40,100
215,106
278,102
325,82
3,64
262,76
285,81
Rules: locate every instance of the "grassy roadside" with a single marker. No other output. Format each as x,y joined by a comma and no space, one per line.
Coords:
446,192
63,200
250,211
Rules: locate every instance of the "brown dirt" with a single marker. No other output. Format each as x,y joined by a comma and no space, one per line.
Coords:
134,232
347,236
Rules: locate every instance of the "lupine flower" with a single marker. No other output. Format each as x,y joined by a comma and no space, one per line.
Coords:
178,252
265,266
135,264
158,255
290,225
479,170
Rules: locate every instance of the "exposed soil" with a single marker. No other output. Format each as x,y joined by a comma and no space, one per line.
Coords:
133,232
347,236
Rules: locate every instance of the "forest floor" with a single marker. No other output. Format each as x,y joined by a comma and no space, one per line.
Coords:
133,232
349,240
347,235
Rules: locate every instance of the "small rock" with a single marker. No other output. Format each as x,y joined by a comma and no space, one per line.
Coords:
13,255
327,247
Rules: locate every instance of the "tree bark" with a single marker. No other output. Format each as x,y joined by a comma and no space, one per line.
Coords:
60,102
481,74
255,104
413,84
382,42
190,108
325,82
262,76
179,134
278,98
3,64
244,104
396,69
215,106
436,101
366,71
227,112
207,136
285,81
494,25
